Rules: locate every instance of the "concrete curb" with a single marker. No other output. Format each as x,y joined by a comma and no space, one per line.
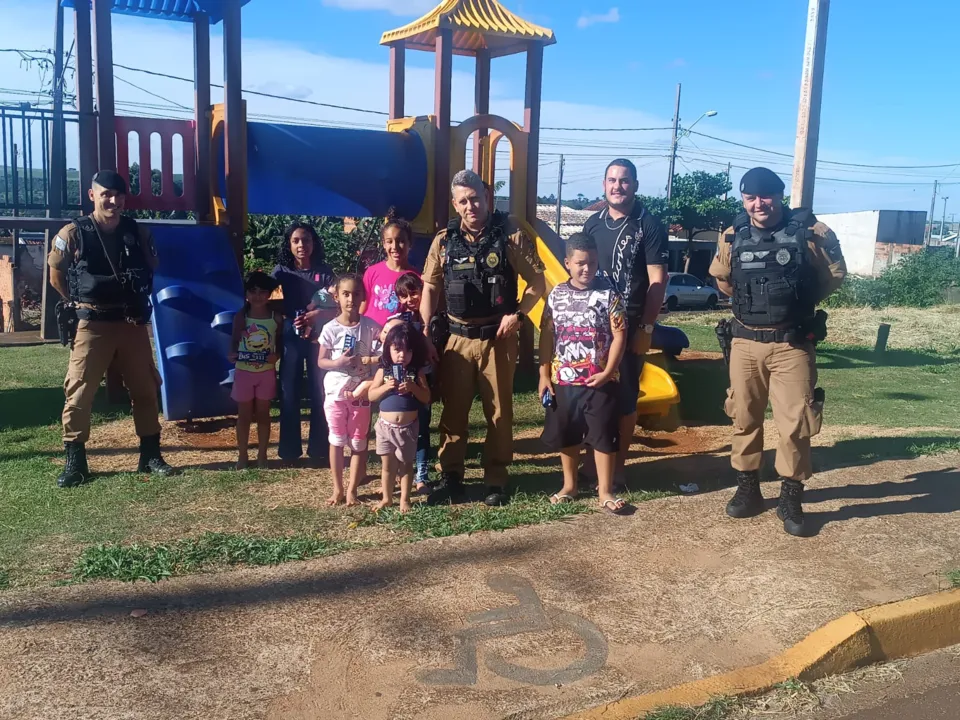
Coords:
878,634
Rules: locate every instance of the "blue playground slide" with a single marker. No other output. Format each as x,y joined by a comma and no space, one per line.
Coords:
291,170
296,170
196,291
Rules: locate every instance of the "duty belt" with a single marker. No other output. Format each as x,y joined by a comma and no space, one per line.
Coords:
783,335
108,315
474,332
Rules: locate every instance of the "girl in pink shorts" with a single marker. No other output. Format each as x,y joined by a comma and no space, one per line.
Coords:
348,345
400,386
254,343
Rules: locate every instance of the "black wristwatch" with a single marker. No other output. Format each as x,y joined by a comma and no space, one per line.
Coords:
520,316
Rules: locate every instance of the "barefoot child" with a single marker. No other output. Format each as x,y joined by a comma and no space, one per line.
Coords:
582,339
254,343
409,289
347,353
400,386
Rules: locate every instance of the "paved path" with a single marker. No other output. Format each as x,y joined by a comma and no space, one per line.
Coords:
531,623
942,703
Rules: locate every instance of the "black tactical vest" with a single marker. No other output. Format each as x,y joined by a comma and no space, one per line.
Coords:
92,277
772,277
478,279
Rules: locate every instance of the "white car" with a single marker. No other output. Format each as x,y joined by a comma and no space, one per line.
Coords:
685,291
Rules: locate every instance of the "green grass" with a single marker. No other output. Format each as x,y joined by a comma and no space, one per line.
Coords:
524,509
902,388
146,527
718,709
954,578
156,561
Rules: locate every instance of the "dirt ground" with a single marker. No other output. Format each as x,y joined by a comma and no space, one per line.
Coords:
530,623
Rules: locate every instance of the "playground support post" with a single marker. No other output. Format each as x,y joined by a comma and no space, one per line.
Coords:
481,106
55,194
531,123
106,109
398,79
233,133
87,120
442,101
202,110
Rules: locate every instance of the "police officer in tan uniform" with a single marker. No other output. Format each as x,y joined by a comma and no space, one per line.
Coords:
102,264
776,264
475,263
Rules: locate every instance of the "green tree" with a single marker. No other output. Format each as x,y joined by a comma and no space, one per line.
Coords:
697,206
345,252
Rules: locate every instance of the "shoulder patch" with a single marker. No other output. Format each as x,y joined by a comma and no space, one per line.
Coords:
60,244
821,230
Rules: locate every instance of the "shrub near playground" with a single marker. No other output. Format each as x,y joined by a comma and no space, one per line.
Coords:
919,280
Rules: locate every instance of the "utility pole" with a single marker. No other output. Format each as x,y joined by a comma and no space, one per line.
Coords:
808,117
933,209
728,182
944,218
673,145
559,193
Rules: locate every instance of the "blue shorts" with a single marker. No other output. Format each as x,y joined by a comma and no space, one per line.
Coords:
631,367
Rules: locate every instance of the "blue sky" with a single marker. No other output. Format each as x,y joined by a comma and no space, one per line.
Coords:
889,93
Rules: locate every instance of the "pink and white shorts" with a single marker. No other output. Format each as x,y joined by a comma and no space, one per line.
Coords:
349,423
249,386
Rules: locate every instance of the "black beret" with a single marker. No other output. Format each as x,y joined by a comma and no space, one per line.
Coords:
111,180
761,181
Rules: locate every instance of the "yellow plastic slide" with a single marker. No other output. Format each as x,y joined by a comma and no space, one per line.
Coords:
658,392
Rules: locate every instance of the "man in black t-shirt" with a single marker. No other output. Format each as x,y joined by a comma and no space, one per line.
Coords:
633,251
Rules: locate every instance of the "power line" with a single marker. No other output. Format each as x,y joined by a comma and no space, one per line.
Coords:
153,94
826,162
256,92
583,129
832,179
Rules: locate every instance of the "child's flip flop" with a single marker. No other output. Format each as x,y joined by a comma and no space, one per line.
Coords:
558,499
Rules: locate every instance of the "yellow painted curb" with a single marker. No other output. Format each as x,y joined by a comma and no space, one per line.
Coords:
878,634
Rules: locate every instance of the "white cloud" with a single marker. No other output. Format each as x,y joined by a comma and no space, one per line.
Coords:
611,16
167,47
394,7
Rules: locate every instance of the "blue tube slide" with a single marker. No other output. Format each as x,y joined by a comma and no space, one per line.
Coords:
298,170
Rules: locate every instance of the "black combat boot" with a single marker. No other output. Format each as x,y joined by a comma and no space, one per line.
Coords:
75,471
449,489
790,509
748,500
151,461
496,496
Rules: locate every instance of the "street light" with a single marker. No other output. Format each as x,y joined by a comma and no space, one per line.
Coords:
676,137
708,113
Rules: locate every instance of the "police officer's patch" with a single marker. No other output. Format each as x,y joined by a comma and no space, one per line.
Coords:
493,260
783,256
60,244
746,256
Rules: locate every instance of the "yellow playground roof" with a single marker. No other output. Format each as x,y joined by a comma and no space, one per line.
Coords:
476,24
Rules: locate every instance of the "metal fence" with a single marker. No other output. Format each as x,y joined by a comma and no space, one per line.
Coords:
26,133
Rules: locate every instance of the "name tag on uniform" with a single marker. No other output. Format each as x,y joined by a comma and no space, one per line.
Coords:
463,266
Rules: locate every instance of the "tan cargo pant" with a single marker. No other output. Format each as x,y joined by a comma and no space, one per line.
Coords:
94,349
786,375
467,366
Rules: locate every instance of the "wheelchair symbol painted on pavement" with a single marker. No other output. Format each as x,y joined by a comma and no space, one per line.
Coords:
528,615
